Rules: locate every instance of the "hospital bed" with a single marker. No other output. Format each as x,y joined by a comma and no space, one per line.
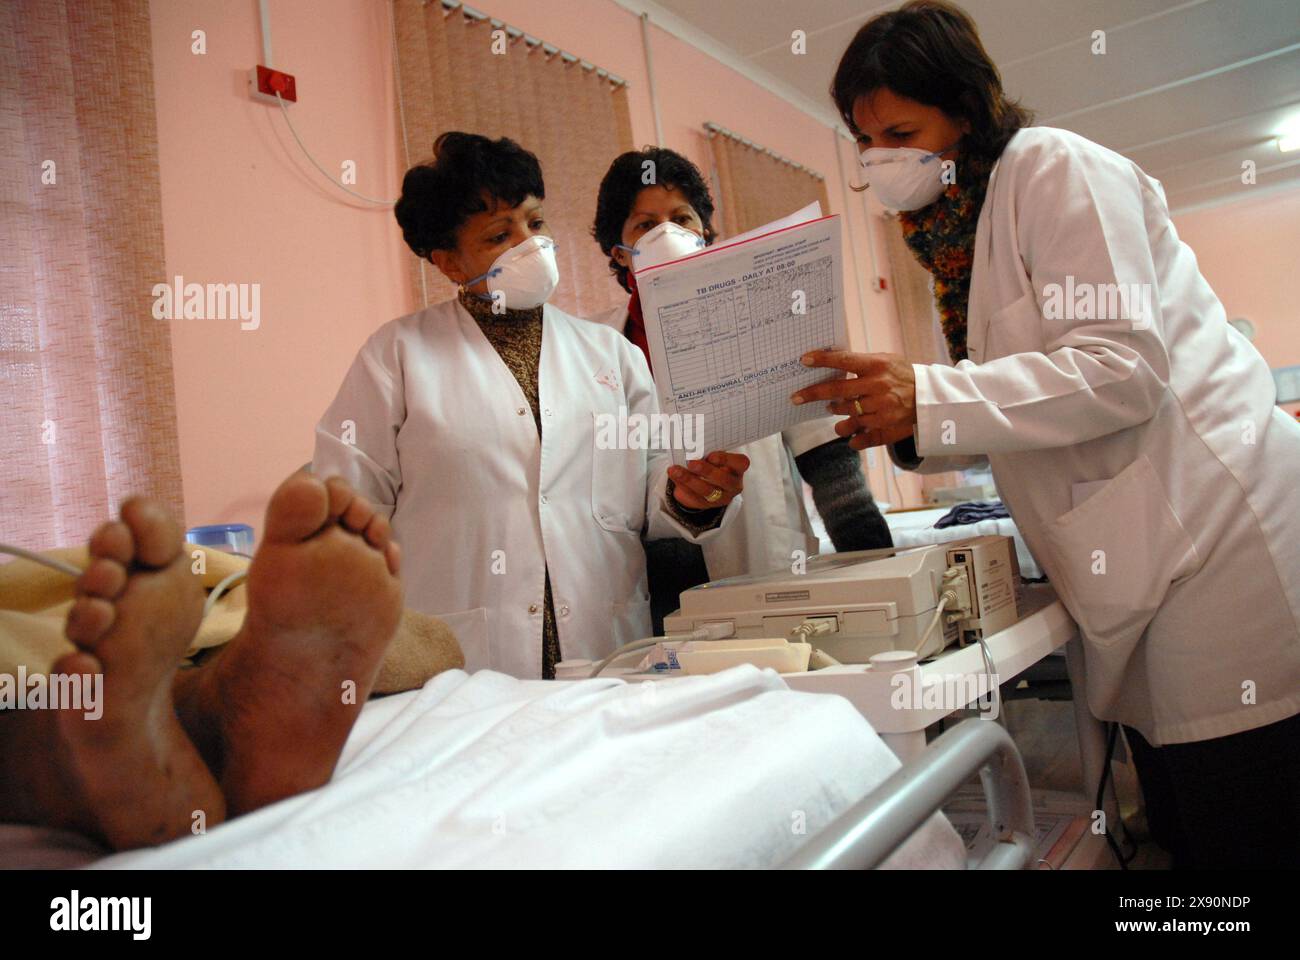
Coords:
733,770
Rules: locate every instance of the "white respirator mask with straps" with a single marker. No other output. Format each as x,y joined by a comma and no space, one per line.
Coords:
666,242
524,276
904,178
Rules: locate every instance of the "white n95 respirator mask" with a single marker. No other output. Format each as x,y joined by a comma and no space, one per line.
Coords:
904,178
524,276
666,242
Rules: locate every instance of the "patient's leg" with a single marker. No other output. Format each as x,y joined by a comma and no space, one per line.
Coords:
131,777
272,710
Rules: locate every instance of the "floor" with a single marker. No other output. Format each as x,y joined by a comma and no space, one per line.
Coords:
1044,732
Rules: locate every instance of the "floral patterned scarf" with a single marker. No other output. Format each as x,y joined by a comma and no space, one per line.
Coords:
942,238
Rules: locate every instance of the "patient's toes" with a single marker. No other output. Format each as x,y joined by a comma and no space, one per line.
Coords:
76,663
154,533
299,508
89,619
113,541
341,496
103,578
358,515
378,531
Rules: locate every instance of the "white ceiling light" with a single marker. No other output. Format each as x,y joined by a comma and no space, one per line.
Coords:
1288,137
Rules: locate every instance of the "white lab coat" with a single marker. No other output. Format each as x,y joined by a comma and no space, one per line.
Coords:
774,523
1146,465
431,425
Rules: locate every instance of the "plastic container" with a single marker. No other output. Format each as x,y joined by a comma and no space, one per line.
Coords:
230,537
574,669
713,656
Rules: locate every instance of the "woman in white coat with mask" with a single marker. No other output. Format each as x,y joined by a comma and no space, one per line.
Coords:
1132,432
639,225
473,425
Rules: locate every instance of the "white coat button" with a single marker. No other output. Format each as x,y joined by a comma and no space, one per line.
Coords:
521,411
544,500
564,611
546,412
533,608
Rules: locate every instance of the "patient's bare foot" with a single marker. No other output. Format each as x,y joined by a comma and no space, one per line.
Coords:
272,711
130,777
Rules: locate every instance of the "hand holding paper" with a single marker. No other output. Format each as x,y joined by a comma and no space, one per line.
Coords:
880,400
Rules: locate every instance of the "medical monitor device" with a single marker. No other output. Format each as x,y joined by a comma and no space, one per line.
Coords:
876,600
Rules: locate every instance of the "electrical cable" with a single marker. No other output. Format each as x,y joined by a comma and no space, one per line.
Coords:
230,581
991,672
71,571
50,562
945,598
326,174
1101,794
708,631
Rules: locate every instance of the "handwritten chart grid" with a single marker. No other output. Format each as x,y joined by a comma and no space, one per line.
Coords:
739,341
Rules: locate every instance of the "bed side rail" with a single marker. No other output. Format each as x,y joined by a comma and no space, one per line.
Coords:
878,824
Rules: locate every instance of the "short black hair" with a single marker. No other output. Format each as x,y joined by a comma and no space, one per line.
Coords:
466,170
624,182
930,51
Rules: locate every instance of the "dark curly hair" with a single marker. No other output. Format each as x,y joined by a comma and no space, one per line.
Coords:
929,51
623,183
466,170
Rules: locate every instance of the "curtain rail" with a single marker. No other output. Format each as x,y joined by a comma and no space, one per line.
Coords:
534,43
715,129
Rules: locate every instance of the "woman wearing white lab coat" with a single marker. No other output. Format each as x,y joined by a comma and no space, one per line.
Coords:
638,225
1132,431
504,498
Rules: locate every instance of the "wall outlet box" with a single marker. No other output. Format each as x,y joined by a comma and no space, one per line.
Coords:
264,83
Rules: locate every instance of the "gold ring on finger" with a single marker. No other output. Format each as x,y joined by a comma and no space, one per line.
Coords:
714,496
857,407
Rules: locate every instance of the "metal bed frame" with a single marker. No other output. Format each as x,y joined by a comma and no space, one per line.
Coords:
878,824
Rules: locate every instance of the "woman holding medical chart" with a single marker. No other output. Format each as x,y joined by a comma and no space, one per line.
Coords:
1132,432
473,425
640,225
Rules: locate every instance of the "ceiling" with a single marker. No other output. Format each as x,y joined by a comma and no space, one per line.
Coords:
1189,89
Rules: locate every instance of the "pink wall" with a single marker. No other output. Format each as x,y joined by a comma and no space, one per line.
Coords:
1248,252
241,204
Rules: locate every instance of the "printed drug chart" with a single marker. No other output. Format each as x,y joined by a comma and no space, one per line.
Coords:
728,325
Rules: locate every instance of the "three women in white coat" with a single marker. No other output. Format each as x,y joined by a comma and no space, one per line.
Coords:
1132,431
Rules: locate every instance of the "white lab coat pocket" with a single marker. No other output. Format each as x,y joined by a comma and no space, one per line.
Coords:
618,475
1116,554
473,635
1016,328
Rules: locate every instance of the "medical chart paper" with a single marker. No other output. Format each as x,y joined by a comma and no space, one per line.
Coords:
727,327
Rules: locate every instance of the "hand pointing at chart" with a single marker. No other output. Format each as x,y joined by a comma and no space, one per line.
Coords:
879,400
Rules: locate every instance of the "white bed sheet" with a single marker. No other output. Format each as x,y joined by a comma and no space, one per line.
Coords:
483,770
